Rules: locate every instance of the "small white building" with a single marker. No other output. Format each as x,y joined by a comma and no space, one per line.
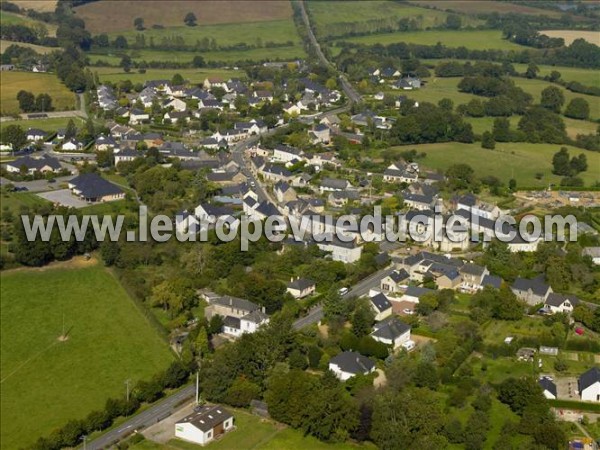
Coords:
204,425
589,385
345,365
346,252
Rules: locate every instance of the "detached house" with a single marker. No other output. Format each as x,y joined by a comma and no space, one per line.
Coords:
589,385
561,303
391,332
395,281
239,315
92,188
381,306
34,134
348,364
532,292
346,252
301,287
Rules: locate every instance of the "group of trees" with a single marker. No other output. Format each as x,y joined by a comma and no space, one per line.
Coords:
28,102
564,165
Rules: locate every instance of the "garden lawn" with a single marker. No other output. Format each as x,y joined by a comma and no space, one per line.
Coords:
46,382
51,124
521,161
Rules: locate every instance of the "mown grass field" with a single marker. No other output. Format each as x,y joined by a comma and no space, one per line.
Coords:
521,161
37,83
50,124
114,74
172,13
254,433
255,33
46,382
9,18
255,54
471,39
37,48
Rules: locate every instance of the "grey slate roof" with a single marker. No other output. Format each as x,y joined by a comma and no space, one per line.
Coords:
380,302
416,291
36,163
256,316
589,378
208,417
93,185
555,299
301,284
237,303
491,280
472,269
399,275
536,285
547,385
353,362
391,328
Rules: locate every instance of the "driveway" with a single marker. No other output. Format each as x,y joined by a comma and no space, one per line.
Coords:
63,197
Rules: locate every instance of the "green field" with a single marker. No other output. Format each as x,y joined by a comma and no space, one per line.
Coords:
50,124
256,54
509,160
331,17
471,39
9,18
114,74
574,127
588,77
254,433
535,88
257,33
46,382
37,83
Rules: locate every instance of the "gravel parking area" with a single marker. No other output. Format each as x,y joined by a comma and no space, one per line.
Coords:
64,198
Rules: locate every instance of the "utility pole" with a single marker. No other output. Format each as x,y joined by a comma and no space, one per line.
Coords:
84,439
197,387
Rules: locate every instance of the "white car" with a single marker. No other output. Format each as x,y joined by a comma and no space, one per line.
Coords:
409,345
409,312
343,291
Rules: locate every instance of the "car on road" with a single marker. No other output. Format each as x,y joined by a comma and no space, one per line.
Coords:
343,291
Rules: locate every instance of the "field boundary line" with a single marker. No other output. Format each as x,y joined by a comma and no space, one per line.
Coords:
24,363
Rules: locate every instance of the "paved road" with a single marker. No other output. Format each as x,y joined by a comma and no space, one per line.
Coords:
351,93
358,290
149,417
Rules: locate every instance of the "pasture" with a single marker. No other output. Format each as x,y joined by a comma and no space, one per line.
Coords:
330,16
255,54
9,18
50,124
37,83
593,37
588,77
114,74
574,127
521,161
42,50
536,86
46,381
485,7
171,13
471,39
255,33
